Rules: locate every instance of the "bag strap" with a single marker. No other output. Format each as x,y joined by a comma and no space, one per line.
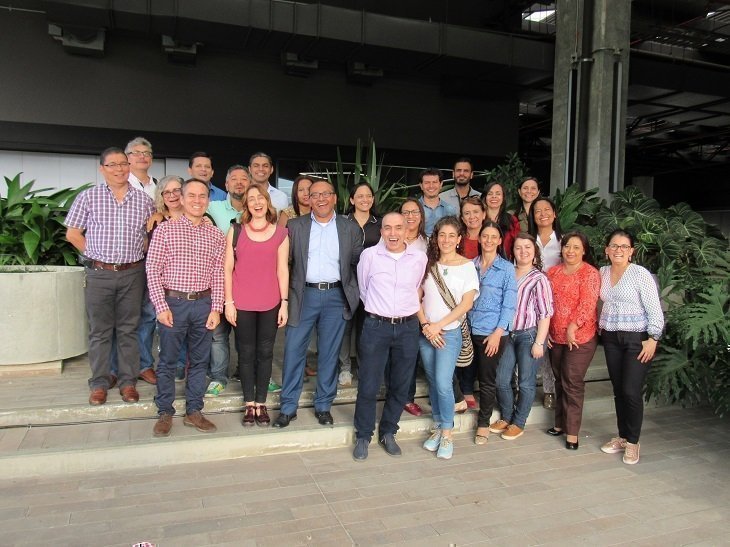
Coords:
236,234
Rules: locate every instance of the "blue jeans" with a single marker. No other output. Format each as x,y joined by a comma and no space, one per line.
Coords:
517,353
439,365
379,341
189,318
323,309
220,352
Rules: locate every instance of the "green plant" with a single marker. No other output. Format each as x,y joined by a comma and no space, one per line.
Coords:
31,225
388,194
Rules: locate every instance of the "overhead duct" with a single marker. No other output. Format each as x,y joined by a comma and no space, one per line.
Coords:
79,41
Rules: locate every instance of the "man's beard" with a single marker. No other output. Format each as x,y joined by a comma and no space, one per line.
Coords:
462,183
237,197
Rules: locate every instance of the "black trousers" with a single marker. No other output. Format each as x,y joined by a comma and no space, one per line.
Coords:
487,376
627,375
255,337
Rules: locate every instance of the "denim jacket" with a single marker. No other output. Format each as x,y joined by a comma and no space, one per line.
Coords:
495,306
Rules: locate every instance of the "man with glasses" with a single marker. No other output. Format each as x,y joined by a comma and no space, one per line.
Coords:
223,212
323,292
107,224
139,156
261,167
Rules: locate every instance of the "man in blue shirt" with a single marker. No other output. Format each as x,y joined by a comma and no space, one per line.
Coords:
434,207
200,166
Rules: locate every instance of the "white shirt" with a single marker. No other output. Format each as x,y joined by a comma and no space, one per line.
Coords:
279,199
148,189
459,280
550,253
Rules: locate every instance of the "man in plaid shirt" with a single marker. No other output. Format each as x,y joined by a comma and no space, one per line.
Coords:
185,282
107,224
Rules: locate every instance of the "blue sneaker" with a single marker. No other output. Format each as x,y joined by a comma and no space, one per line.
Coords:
432,443
446,449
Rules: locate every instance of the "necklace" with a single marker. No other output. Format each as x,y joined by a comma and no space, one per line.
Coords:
253,229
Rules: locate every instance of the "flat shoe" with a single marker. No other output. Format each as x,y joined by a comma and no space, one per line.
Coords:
460,408
555,432
480,439
571,446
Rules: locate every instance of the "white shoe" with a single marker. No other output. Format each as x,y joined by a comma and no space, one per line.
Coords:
345,379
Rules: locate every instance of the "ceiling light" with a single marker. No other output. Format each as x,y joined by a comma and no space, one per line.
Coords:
538,16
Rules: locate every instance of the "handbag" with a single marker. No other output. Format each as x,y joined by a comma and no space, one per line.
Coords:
466,355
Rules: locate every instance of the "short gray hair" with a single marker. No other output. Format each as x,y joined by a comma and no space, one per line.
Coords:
137,141
237,167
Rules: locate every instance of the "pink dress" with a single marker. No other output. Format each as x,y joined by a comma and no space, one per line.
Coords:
255,283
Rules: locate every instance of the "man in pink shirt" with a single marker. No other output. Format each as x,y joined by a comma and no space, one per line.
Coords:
389,275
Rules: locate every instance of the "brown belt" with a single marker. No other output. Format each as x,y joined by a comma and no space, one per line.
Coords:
187,295
96,265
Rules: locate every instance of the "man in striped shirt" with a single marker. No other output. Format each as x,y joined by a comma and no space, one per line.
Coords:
185,281
107,224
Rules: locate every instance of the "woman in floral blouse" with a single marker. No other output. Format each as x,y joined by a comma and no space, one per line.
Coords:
576,284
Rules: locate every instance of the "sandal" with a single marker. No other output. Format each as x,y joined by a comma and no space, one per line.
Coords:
480,439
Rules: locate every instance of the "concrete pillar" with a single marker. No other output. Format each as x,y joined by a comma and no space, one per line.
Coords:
589,94
645,184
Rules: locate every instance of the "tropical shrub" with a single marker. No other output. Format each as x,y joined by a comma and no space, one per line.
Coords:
31,225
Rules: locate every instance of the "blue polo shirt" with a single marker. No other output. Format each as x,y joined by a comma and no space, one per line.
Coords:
443,209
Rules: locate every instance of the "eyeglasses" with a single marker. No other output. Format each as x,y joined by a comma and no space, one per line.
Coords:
317,195
615,247
140,153
411,213
173,192
115,165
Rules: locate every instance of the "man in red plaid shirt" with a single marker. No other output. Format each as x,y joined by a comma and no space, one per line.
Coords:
185,281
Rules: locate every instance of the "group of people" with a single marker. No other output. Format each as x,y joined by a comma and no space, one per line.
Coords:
451,280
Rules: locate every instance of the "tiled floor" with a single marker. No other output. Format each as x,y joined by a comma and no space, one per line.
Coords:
526,492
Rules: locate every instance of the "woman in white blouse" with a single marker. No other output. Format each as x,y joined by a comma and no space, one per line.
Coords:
631,324
450,274
545,227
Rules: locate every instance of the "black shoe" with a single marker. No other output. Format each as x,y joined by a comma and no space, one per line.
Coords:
555,432
361,450
324,418
387,441
283,420
571,446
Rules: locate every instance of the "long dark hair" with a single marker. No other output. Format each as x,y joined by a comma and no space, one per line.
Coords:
422,221
587,253
521,203
556,223
491,224
295,192
504,219
373,208
537,261
432,251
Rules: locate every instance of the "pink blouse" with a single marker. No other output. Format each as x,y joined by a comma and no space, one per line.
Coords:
255,283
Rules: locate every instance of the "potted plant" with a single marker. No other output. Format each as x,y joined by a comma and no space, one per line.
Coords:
43,318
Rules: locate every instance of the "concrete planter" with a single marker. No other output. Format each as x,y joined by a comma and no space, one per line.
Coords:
43,317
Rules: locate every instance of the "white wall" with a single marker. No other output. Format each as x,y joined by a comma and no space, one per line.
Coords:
70,170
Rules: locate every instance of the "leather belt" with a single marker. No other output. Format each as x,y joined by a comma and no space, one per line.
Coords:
324,286
97,265
392,320
187,295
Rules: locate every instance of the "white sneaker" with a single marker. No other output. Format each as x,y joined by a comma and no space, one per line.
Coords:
345,379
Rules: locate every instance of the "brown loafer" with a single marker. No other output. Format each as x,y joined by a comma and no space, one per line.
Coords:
129,394
97,396
148,375
163,426
199,422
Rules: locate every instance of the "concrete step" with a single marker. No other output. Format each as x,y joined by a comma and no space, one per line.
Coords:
63,400
129,444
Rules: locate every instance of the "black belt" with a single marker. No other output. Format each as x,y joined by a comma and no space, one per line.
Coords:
324,286
392,320
187,295
97,265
